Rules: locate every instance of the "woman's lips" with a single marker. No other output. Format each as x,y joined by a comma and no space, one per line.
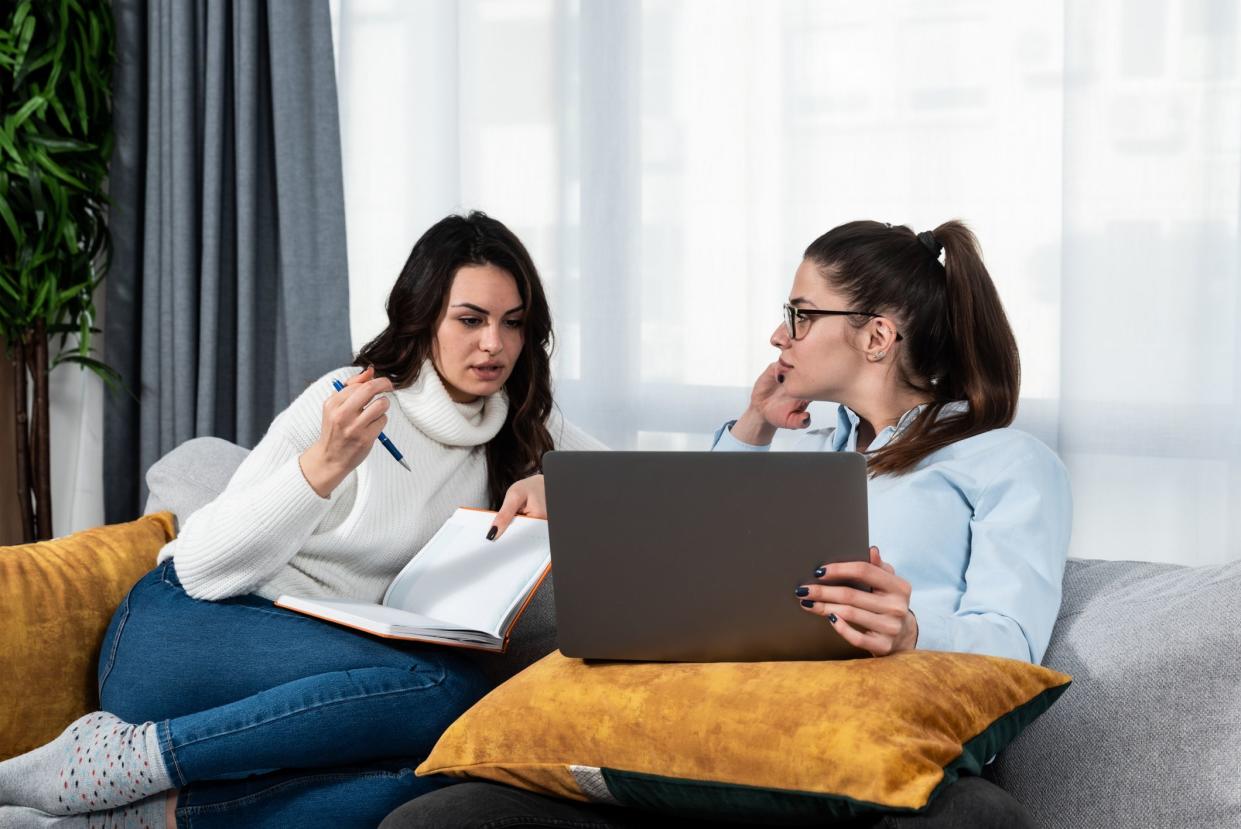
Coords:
783,365
487,372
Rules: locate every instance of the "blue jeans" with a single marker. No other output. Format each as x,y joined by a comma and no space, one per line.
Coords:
269,718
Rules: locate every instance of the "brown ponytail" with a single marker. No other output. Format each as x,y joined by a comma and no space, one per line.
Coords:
959,345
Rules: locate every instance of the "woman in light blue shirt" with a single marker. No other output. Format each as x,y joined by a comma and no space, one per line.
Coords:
972,517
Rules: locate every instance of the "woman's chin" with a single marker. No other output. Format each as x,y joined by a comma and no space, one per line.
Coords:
476,387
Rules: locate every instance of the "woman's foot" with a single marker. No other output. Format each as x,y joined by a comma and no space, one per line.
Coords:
145,814
98,763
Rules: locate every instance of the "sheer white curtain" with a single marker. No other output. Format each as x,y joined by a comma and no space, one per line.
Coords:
667,161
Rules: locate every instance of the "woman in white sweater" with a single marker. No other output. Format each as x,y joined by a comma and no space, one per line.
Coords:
224,710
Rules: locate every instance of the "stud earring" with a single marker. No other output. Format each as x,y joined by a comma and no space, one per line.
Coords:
879,355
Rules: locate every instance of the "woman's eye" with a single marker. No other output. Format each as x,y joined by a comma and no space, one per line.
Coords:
514,323
469,322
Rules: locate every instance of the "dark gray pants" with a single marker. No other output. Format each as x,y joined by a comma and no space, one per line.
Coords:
970,803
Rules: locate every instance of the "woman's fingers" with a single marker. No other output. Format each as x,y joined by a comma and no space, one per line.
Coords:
797,417
877,644
881,623
514,500
878,561
364,376
839,594
864,572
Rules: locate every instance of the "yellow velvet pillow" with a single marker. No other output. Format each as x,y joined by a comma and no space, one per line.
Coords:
760,740
56,599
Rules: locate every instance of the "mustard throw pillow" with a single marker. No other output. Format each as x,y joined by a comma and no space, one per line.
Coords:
56,599
758,740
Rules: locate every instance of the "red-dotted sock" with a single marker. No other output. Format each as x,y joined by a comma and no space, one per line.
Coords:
98,763
145,814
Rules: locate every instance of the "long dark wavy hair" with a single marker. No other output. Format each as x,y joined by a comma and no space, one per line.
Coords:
414,306
958,343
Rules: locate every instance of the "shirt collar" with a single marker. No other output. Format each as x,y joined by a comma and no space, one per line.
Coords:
845,437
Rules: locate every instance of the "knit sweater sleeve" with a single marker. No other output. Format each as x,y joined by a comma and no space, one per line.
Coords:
566,436
267,512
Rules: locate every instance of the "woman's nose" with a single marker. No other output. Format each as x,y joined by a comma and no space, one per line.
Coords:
780,338
490,341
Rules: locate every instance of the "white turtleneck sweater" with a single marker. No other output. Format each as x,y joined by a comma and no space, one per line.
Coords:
270,533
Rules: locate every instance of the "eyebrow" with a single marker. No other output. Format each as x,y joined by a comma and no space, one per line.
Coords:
485,312
801,300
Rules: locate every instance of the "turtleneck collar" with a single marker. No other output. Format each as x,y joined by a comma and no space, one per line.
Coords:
427,405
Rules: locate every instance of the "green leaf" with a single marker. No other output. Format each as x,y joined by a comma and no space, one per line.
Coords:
62,145
79,98
6,213
6,144
110,376
23,9
25,112
9,288
45,161
23,46
45,288
60,114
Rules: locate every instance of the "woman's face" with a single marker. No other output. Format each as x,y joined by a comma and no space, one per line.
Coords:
479,333
828,354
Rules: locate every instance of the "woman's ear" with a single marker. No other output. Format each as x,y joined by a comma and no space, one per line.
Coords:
881,336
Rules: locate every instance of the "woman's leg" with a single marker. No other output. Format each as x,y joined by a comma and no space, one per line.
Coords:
387,702
342,798
166,655
970,803
333,719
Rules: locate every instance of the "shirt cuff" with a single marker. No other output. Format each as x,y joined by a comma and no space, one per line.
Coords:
725,442
933,633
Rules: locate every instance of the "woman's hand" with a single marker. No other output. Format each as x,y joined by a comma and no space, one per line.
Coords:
880,621
771,408
526,497
352,420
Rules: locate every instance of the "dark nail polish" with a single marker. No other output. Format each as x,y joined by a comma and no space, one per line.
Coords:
491,533
807,603
831,617
802,591
820,573
805,420
779,378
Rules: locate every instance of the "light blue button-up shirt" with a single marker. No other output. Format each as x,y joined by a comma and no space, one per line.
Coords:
980,529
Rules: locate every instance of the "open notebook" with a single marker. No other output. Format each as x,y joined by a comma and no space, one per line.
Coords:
460,589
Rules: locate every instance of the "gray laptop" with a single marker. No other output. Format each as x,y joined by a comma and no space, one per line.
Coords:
694,556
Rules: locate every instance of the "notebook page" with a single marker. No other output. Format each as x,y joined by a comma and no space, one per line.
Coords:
462,578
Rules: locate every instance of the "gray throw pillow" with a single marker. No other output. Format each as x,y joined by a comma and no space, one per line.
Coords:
1149,733
192,475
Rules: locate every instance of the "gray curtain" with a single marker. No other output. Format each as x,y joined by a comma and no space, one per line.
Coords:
228,288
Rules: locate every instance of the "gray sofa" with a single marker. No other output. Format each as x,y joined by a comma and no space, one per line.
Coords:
1148,735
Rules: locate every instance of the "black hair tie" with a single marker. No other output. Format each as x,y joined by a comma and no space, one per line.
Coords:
927,238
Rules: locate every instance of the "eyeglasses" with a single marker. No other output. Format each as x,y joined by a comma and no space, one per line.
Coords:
797,320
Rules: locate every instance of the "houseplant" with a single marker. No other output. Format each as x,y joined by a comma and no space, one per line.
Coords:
55,141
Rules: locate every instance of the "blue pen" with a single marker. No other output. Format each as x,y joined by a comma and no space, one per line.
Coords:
387,444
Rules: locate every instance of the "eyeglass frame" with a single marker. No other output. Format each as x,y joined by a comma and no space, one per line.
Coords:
792,313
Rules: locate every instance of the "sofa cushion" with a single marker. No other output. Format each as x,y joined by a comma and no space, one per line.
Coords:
748,741
1150,735
56,599
192,475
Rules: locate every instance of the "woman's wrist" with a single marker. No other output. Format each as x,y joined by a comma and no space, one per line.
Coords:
908,639
753,428
318,472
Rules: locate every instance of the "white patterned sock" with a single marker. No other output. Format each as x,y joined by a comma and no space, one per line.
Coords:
100,762
145,814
